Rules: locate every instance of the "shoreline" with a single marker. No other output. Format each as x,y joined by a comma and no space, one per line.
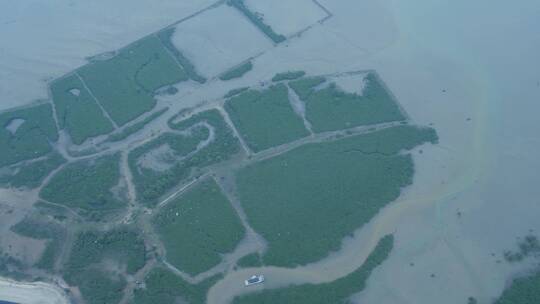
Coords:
31,292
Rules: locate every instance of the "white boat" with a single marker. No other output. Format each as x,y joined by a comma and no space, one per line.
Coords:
255,279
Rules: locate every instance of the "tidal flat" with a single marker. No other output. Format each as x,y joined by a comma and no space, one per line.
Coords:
472,194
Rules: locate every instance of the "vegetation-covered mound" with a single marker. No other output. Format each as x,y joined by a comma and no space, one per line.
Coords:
198,227
330,109
89,263
237,72
290,75
257,21
265,118
77,111
524,290
159,165
305,201
26,133
86,186
125,84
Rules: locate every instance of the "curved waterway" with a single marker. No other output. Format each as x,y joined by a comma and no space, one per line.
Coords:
352,255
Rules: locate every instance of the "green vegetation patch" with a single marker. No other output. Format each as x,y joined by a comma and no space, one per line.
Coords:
237,72
125,84
529,246
89,264
197,227
265,119
338,291
206,140
101,286
32,173
26,133
136,127
250,260
124,246
331,109
257,21
522,291
86,186
289,75
305,201
163,287
44,230
304,87
166,38
159,165
235,92
77,111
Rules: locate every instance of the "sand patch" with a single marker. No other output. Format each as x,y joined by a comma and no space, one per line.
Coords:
120,190
351,83
159,159
164,157
75,92
14,124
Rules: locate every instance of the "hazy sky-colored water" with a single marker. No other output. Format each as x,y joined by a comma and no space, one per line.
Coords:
496,46
501,41
491,46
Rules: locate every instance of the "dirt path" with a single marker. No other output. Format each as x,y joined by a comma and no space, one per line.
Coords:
179,191
321,137
105,113
299,107
252,242
233,128
131,193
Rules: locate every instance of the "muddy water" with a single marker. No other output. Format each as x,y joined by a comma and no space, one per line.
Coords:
462,78
460,238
